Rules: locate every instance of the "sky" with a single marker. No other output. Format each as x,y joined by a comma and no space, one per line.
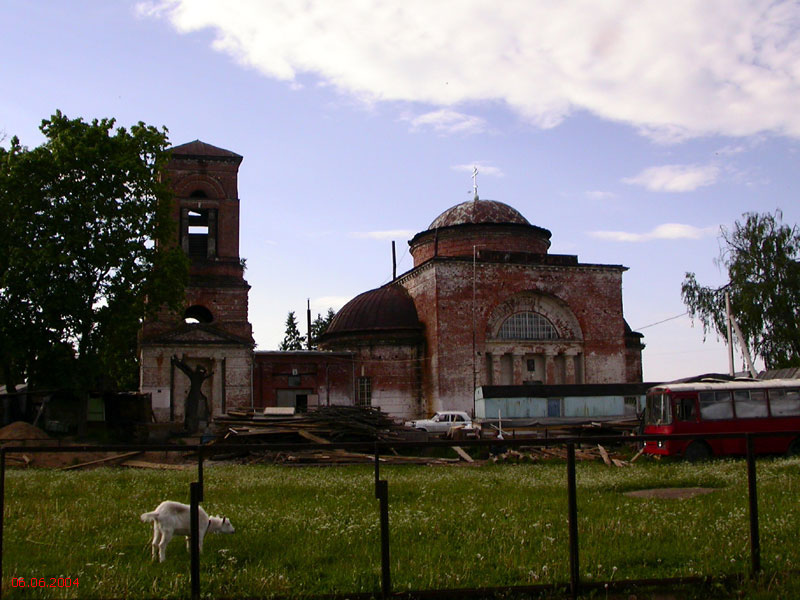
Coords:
633,130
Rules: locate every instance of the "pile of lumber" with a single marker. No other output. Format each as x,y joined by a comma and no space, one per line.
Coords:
325,424
537,453
340,457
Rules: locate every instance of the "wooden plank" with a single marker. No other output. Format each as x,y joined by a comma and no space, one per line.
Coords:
637,455
604,454
101,460
278,411
460,451
143,464
311,437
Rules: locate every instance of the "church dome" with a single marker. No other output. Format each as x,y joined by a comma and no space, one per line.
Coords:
386,309
488,225
475,212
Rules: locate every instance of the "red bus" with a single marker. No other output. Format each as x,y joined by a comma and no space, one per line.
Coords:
714,406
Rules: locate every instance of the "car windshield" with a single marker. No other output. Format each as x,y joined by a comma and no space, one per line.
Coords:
657,411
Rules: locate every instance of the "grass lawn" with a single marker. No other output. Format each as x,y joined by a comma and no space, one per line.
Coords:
316,530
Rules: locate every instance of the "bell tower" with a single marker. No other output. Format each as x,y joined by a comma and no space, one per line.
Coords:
213,332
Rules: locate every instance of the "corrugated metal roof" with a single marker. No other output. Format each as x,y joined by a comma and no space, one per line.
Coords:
791,373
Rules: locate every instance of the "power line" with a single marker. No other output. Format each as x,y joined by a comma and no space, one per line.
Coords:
664,321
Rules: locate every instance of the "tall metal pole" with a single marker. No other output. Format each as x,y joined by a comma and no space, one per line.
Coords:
394,262
474,293
308,321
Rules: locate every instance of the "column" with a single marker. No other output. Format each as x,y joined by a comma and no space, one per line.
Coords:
569,367
496,368
517,358
549,368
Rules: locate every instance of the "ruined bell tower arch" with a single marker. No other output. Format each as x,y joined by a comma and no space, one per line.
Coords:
213,333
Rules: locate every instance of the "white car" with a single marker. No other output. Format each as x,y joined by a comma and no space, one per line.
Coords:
442,421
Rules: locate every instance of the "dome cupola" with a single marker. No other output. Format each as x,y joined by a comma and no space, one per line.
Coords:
485,224
385,311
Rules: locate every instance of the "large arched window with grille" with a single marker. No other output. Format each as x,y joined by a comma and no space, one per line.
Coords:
527,326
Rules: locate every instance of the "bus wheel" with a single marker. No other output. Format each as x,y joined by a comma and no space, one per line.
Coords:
794,448
697,451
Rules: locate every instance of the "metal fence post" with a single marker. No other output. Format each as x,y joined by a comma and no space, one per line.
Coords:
200,473
382,492
755,541
377,469
194,539
572,494
2,510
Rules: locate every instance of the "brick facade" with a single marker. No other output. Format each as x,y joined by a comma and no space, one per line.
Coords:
484,304
481,270
214,331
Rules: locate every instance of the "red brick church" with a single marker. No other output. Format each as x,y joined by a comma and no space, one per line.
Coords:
484,304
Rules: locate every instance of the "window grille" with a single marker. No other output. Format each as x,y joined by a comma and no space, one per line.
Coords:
364,392
527,326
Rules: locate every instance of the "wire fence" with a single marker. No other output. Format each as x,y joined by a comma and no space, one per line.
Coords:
574,586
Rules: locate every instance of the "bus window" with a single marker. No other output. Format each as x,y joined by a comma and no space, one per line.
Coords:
784,403
750,404
685,409
657,410
715,406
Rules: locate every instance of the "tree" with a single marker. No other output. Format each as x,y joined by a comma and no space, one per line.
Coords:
86,249
320,325
761,256
292,340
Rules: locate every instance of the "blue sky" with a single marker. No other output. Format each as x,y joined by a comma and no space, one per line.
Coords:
632,130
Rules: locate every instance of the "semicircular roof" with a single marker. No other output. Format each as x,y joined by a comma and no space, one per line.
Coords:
474,212
387,308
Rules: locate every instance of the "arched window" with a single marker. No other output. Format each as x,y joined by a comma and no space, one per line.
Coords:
527,326
198,314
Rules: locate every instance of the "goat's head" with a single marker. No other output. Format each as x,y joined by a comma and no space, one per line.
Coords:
225,526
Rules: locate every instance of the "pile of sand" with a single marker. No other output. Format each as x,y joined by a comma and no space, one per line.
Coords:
20,430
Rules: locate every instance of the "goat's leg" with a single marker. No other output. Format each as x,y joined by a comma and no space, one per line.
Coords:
156,538
188,542
166,536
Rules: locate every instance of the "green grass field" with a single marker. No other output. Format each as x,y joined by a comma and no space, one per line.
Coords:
316,530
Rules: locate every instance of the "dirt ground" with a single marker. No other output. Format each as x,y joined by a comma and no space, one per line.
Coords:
670,493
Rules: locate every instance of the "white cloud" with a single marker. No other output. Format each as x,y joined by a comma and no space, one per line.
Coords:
675,178
448,121
673,70
666,231
389,234
483,169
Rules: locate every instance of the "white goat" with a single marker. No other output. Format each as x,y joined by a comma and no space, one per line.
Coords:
171,518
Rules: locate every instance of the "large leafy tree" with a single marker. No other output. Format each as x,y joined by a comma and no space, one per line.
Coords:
86,250
760,254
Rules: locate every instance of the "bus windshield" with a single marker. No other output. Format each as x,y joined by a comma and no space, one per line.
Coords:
658,410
